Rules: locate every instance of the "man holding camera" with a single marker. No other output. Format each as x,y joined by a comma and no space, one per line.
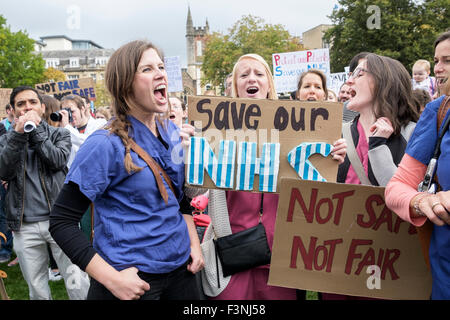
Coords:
33,158
75,119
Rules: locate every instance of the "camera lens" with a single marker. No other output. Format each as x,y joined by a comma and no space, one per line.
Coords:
55,116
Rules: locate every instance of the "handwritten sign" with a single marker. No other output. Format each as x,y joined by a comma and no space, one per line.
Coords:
4,100
248,144
340,238
81,87
173,69
336,80
287,67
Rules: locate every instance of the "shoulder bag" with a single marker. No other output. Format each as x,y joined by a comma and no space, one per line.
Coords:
244,250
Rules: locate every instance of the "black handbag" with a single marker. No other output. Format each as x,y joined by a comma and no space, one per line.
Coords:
243,250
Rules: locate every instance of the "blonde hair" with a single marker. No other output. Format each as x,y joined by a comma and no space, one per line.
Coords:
104,111
272,94
423,63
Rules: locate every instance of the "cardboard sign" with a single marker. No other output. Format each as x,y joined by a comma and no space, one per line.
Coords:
4,100
287,67
173,69
80,87
340,238
248,144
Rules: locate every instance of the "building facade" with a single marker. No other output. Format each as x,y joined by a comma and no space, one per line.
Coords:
75,58
313,38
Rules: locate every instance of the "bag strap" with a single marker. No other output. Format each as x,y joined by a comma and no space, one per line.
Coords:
442,112
156,169
353,155
425,231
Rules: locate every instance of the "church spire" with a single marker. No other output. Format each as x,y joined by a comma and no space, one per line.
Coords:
189,22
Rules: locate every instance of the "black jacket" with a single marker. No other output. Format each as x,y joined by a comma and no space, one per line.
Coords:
53,148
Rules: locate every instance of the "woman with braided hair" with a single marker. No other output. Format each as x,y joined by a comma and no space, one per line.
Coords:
145,244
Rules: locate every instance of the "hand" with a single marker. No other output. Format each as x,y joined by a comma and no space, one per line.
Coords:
435,207
186,132
128,286
24,117
64,118
382,128
197,262
339,150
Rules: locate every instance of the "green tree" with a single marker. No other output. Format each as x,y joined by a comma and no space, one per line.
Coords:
18,64
250,34
406,30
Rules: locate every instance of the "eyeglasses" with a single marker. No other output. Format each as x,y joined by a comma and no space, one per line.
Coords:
357,73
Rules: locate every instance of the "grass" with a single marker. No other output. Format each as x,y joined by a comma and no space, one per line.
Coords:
17,287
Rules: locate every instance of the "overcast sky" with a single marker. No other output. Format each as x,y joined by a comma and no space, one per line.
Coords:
111,23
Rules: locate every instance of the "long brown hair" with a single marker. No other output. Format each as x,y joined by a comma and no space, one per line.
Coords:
392,91
119,76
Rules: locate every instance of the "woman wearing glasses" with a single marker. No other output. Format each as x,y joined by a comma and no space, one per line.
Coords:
381,93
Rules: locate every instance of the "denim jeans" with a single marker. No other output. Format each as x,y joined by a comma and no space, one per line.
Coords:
179,284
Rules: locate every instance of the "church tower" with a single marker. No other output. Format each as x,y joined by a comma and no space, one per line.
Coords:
195,44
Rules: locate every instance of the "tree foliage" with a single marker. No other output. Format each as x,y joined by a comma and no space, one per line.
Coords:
52,74
407,30
103,98
18,64
250,34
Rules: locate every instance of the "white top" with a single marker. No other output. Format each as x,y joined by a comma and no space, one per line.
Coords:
78,138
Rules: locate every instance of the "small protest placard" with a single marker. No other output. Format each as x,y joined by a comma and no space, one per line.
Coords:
340,238
80,87
173,69
248,144
288,66
5,93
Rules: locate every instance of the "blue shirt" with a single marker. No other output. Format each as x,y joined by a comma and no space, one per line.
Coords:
421,147
133,225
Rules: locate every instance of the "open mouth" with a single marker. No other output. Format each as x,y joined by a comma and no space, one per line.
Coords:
352,92
160,93
172,116
252,90
441,81
311,99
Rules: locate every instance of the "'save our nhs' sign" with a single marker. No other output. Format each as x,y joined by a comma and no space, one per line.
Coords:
249,144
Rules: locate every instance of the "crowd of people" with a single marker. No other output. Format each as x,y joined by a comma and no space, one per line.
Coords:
103,196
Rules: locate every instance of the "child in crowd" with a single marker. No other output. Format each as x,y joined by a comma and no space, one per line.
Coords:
421,77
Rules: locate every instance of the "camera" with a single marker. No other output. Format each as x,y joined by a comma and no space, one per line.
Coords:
57,116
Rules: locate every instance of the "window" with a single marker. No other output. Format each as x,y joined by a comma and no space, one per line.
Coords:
101,60
73,76
74,62
94,76
51,62
199,48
